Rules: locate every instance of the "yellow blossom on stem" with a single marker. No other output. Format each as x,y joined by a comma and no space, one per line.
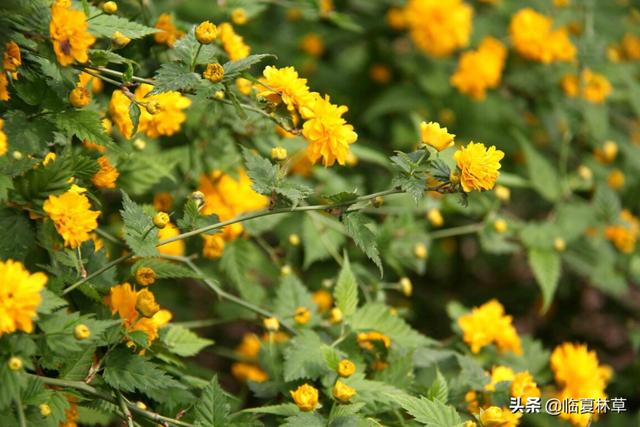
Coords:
305,397
279,153
271,324
248,372
343,392
232,43
81,332
4,146
302,315
478,166
45,410
145,276
284,85
107,175
435,136
624,234
110,7
19,296
534,38
593,87
169,34
346,368
72,216
213,73
249,347
146,303
69,33
206,32
120,39
239,16
488,324
15,363
481,69
11,58
79,97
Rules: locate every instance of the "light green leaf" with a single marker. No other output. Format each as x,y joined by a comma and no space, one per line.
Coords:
129,372
284,409
103,25
542,175
212,409
83,124
356,225
431,413
439,390
139,232
377,317
545,264
346,290
183,342
303,358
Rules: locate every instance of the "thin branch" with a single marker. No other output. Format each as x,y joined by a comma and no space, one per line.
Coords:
125,410
457,231
97,272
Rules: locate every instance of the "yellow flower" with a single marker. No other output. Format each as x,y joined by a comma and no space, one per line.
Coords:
110,7
248,372
206,32
406,286
615,179
162,201
169,34
120,39
72,216
79,97
494,416
312,44
346,368
68,31
302,315
249,348
439,27
45,410
284,85
145,276
591,86
161,219
502,193
478,166
175,248
380,74
239,16
624,234
499,374
524,387
579,372
19,296
481,69
630,45
81,332
213,72
395,18
435,136
368,340
50,157
4,147
123,300
232,43
559,244
11,59
146,303
213,245
294,240
4,83
500,225
343,392
271,324
166,121
328,134
305,397
323,299
435,217
15,363
85,80
420,251
488,324
534,38
279,153
245,86
107,175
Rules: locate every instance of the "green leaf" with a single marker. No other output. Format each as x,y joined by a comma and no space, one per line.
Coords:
232,69
545,264
320,237
164,269
290,295
175,77
103,25
284,409
77,368
83,124
183,342
139,232
212,409
186,49
129,372
305,419
50,302
346,290
414,185
303,358
192,219
99,57
377,317
134,115
542,175
342,197
356,225
439,390
22,239
13,382
263,174
431,413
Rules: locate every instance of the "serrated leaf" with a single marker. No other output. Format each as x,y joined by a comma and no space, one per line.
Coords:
377,317
192,219
23,236
103,25
212,409
129,372
139,232
290,295
99,57
284,409
346,290
164,269
183,342
342,197
439,390
414,185
232,69
320,241
263,174
175,77
542,175
77,368
305,419
303,358
83,124
134,115
187,47
50,302
431,413
356,225
545,264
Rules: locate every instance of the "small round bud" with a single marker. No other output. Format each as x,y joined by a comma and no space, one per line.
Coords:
502,193
378,201
351,159
206,32
140,144
435,217
285,270
585,173
610,151
406,286
500,225
346,368
616,179
161,219
214,73
110,7
152,106
79,97
336,315
145,276
141,405
559,244
219,94
120,39
271,324
302,316
45,410
81,332
146,303
17,155
279,153
420,251
294,239
15,363
343,392
454,177
239,16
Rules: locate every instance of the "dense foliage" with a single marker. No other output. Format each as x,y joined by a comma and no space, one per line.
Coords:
301,213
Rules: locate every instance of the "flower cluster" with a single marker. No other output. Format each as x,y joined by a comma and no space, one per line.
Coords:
624,234
593,87
480,69
69,34
534,38
488,324
72,216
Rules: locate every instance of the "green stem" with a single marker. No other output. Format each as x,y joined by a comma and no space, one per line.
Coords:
457,231
20,410
97,273
195,58
125,410
101,77
115,73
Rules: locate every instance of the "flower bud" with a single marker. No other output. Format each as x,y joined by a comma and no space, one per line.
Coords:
145,276
559,244
110,7
15,363
343,392
199,199
161,219
146,303
140,144
213,73
420,251
239,16
271,324
406,286
285,270
152,106
120,39
336,315
45,410
305,397
79,97
206,32
346,368
500,225
294,239
302,316
279,153
435,217
81,332
141,405
378,201
17,155
502,193
219,94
